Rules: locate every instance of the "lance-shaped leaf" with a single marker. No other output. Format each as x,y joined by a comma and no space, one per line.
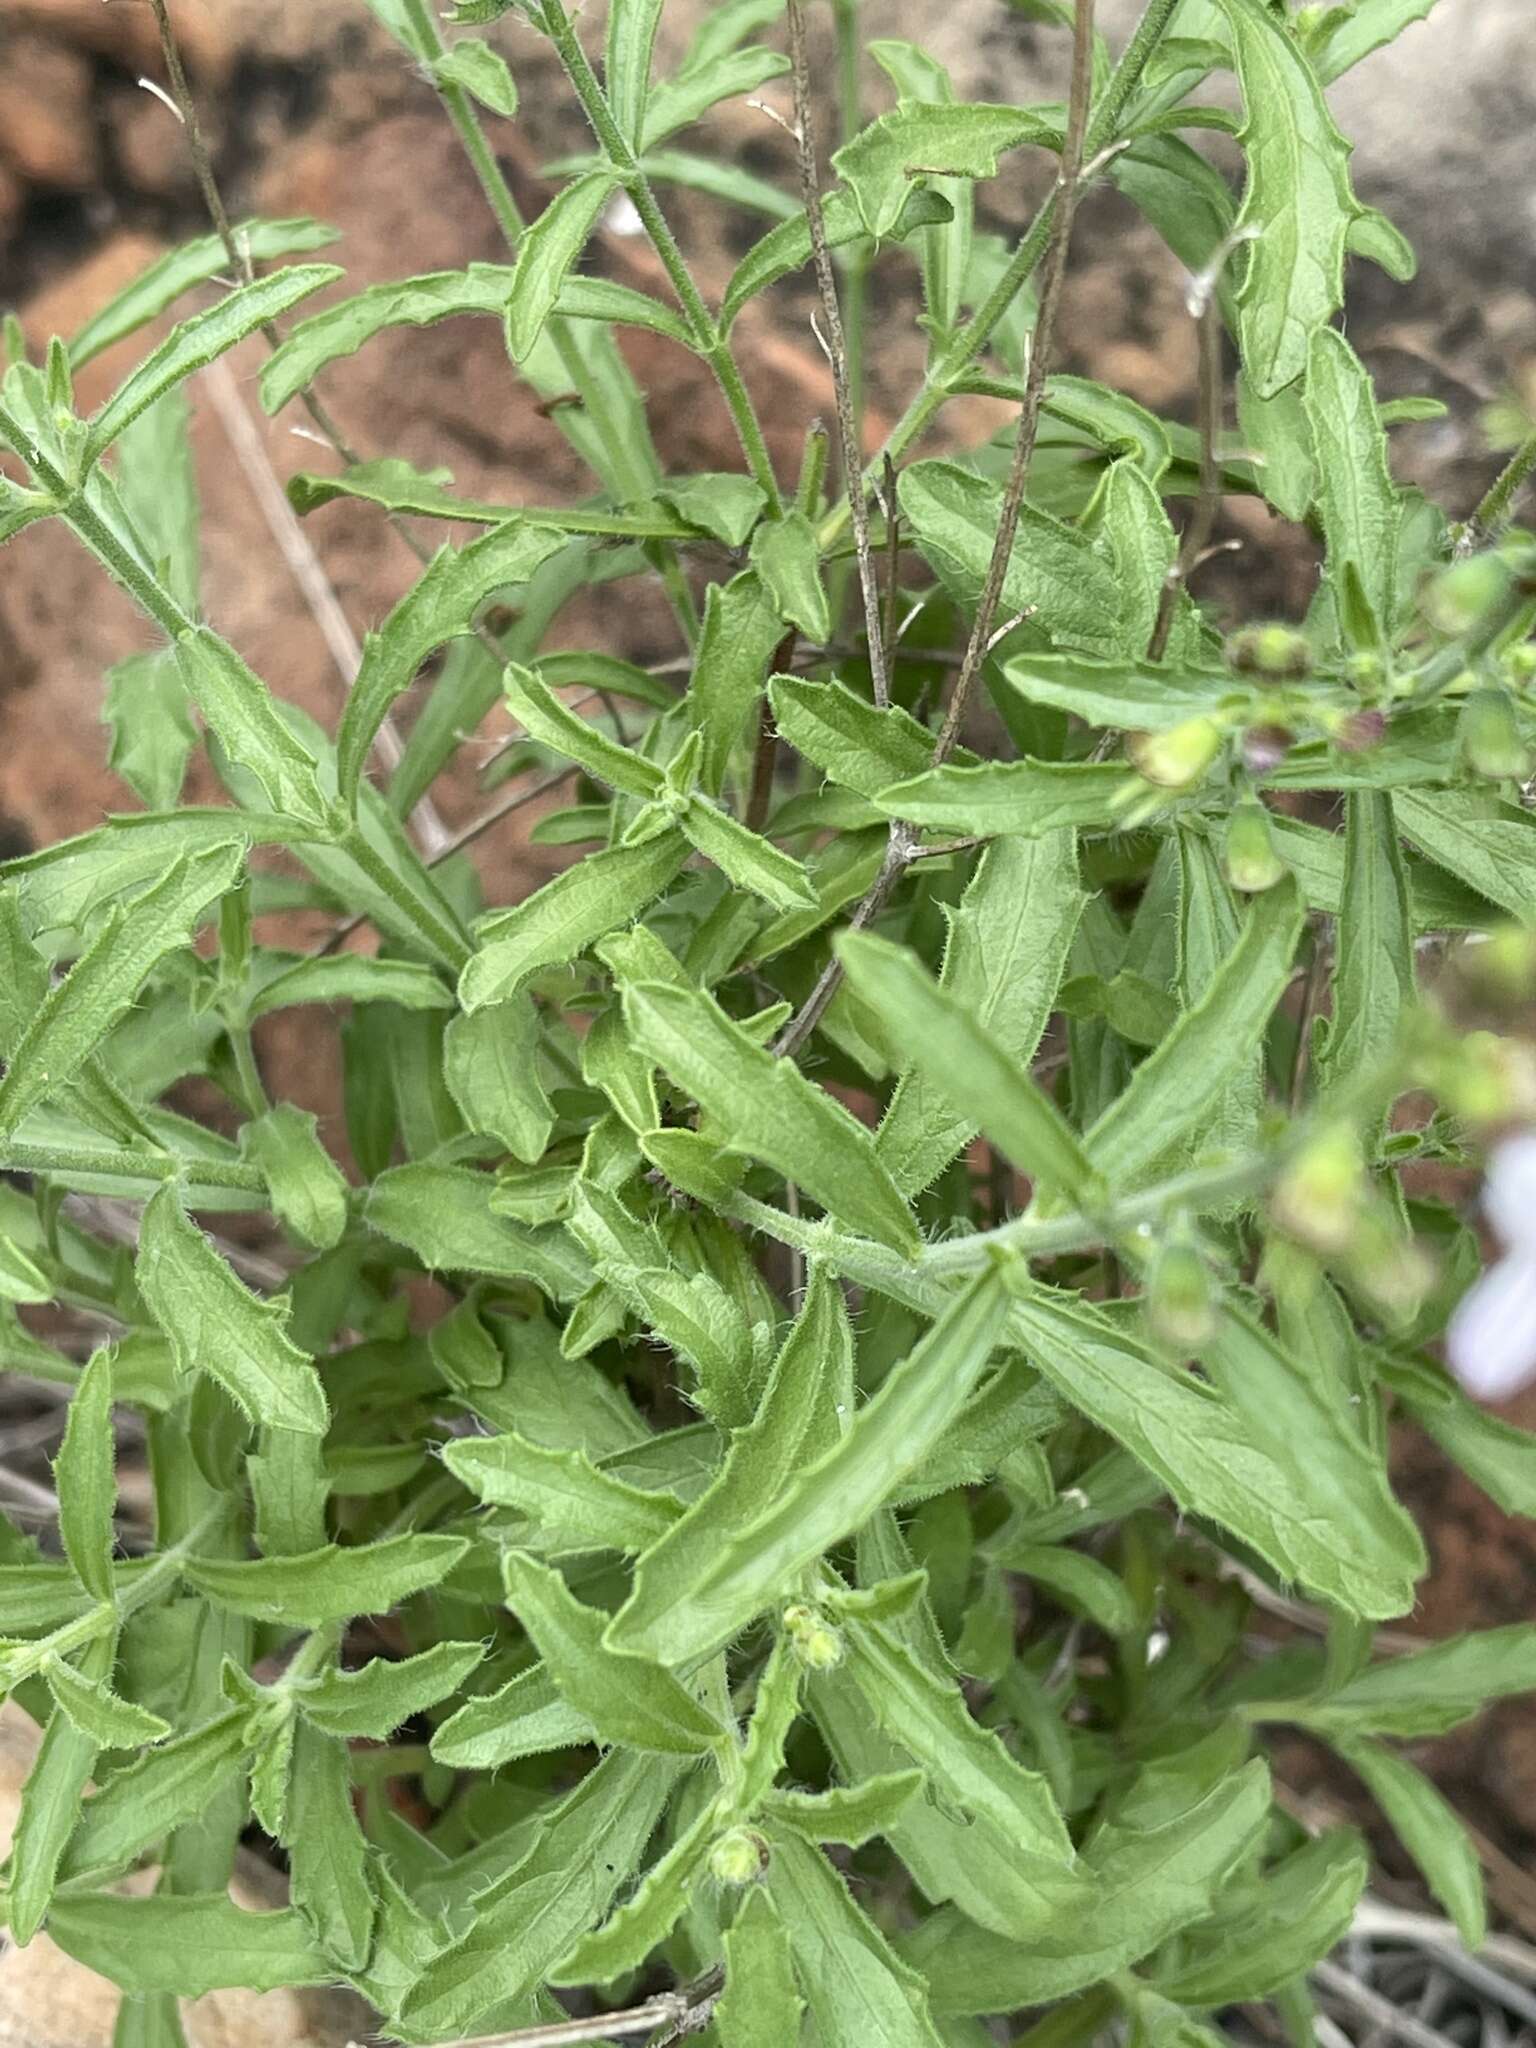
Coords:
849,1814
856,1988
546,254
787,247
1117,694
376,1698
574,1504
444,1215
702,83
1003,962
200,341
761,2006
1430,1829
997,799
473,66
585,1852
1360,506
632,28
438,607
690,1597
91,1706
560,921
327,1852
141,1804
178,270
1350,36
186,1946
331,1584
1428,1691
627,1697
1205,1454
1054,571
1298,199
491,1065
343,328
239,710
960,1059
766,1108
50,1803
1174,1087
919,139
85,1477
787,557
545,718
78,1012
1147,1881
927,1714
216,1325
741,629
852,741
308,1189
1373,979
1488,844
526,1717
351,978
747,858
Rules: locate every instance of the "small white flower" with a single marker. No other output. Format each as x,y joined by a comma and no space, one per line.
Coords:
1491,1341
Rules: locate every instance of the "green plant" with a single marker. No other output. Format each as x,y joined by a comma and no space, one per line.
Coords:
769,1476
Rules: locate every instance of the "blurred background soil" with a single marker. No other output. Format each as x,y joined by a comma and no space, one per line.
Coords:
310,109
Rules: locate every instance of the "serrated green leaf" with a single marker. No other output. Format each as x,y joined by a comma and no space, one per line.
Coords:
747,858
741,629
351,978
1115,694
1147,1881
1027,799
437,608
1431,1690
1430,1829
1271,1930
50,1803
375,1699
217,1326
849,739
332,1584
491,1065
849,1814
574,1504
546,254
79,1011
1489,845
542,715
957,1057
187,1945
787,557
585,1852
767,1109
689,1597
85,1478
1357,30
141,1804
1373,979
920,138
721,503
1360,506
239,709
569,914
1495,1455
1201,1450
645,1919
526,1717
195,262
761,2004
152,730
1173,1089
702,83
471,64
444,1215
328,1856
626,1696
341,329
856,1988
1298,197
1054,570
199,341
308,1188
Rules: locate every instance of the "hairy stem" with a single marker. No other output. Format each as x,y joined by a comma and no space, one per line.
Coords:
1500,494
1062,216
1202,523
972,338
711,344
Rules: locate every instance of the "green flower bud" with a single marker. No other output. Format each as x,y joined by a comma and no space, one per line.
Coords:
1176,759
814,1641
1491,744
1180,1304
1318,1198
1271,654
739,1857
1250,856
1462,595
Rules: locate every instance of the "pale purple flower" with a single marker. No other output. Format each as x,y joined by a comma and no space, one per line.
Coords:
1491,1341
